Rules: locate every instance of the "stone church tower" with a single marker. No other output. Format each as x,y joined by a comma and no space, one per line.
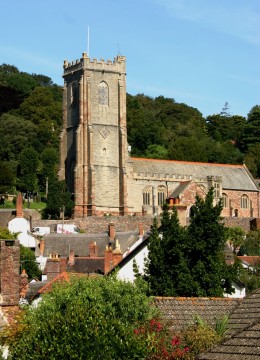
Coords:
94,140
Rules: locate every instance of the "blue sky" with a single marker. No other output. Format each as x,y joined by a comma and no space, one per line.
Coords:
200,52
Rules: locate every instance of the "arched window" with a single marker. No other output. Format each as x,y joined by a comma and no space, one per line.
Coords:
74,94
244,202
103,93
147,196
161,195
225,200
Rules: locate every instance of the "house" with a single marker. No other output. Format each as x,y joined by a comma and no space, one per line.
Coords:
18,222
250,262
84,253
96,162
179,312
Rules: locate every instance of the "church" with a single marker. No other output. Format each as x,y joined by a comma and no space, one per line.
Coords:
96,162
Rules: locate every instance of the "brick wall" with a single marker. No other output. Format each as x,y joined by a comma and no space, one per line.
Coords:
9,272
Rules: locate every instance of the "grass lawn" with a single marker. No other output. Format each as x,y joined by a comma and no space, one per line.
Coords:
33,205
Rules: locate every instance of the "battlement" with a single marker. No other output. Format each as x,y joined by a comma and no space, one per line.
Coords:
162,177
118,65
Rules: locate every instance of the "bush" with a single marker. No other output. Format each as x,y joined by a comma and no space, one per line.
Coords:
88,318
200,337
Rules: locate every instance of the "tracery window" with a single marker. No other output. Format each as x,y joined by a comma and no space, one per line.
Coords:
161,195
216,189
225,200
103,93
244,202
147,196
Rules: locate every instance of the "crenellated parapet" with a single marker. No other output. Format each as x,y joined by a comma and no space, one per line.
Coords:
163,176
118,65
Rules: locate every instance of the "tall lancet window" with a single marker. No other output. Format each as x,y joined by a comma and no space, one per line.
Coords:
103,93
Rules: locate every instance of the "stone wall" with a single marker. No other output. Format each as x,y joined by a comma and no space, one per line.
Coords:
99,224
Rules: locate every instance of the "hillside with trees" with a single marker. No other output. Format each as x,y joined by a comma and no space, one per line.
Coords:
31,120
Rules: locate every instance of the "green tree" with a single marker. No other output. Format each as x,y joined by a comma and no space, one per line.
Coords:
41,105
167,270
16,134
156,152
190,261
223,127
59,198
49,167
252,159
251,244
28,262
236,237
87,318
5,234
7,178
251,133
206,239
15,86
29,164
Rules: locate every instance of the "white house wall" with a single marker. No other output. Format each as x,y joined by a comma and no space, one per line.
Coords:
21,226
126,272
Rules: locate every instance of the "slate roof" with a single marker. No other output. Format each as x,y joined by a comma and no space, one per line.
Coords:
243,338
5,216
236,177
178,312
79,243
88,265
179,190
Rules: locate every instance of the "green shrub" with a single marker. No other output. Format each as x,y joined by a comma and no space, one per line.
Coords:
88,318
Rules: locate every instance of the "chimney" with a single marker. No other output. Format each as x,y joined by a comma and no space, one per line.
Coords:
23,284
108,264
42,245
93,249
19,206
9,272
111,231
141,229
71,261
52,266
117,254
112,257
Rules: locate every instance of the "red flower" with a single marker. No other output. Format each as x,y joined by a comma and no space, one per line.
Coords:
175,341
136,331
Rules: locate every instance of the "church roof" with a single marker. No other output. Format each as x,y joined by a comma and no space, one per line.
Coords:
234,177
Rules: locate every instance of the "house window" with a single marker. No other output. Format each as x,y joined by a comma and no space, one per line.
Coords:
225,200
103,93
161,195
147,196
244,202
